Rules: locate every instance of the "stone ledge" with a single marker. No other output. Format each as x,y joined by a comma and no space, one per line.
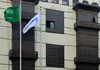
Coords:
86,7
25,54
86,60
86,24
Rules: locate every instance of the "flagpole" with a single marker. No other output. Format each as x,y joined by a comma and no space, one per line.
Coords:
40,44
20,35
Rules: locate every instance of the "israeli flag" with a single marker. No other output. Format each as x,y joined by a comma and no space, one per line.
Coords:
34,22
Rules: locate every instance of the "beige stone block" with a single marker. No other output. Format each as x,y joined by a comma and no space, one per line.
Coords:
4,46
5,32
41,49
43,11
99,43
49,1
4,59
5,0
40,9
59,39
5,23
4,4
69,31
70,65
99,66
40,61
43,19
55,6
99,14
10,67
37,36
99,34
43,28
60,2
99,47
70,15
69,23
10,45
70,53
70,2
37,48
37,68
4,67
90,1
99,20
99,52
53,68
37,29
1,13
9,62
80,0
99,3
37,9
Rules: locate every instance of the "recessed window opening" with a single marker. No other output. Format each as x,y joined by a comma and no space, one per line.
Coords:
54,1
93,19
65,2
50,24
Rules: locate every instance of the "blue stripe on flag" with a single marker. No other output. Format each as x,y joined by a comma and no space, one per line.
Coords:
35,19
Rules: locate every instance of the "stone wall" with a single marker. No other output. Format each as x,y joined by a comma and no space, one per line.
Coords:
5,37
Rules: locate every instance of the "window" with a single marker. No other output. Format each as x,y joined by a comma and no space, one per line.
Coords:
50,24
65,2
54,55
54,1
54,21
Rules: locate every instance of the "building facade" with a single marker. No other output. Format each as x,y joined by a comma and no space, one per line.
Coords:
62,42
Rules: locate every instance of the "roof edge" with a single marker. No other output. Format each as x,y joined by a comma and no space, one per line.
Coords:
86,7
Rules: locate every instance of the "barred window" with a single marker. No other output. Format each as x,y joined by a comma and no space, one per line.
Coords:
54,55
